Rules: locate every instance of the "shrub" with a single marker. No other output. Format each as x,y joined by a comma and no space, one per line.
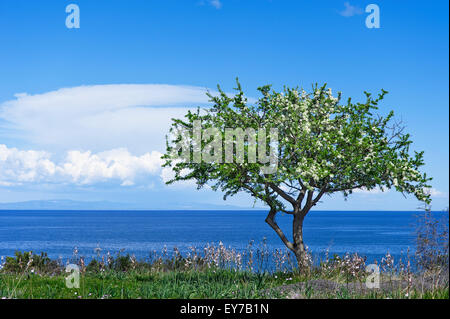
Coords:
27,261
432,244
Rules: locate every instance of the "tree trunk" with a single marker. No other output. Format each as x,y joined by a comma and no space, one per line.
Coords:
296,246
299,246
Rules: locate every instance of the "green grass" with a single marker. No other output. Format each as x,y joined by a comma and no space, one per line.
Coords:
211,275
174,284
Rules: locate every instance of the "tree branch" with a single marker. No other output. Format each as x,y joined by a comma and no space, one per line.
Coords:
282,193
322,191
301,195
333,190
309,202
270,219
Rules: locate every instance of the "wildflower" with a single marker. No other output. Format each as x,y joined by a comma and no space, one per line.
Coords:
97,250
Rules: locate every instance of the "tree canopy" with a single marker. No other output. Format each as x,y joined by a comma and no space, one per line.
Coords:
324,146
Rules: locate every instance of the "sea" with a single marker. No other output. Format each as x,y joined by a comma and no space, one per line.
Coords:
369,233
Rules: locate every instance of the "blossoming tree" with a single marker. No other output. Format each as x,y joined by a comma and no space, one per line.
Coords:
324,147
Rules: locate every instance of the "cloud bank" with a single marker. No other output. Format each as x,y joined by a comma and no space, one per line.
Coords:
18,167
99,117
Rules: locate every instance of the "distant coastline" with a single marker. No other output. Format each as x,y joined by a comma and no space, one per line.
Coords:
71,205
110,206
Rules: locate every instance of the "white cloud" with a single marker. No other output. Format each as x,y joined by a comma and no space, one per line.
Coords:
216,4
373,191
118,164
99,117
436,193
432,191
24,166
350,10
167,174
81,168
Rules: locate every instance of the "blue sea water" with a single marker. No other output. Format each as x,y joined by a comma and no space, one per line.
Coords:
370,233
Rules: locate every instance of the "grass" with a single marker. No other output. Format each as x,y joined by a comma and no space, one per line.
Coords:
114,284
190,284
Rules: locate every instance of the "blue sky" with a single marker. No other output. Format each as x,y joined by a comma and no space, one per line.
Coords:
73,101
